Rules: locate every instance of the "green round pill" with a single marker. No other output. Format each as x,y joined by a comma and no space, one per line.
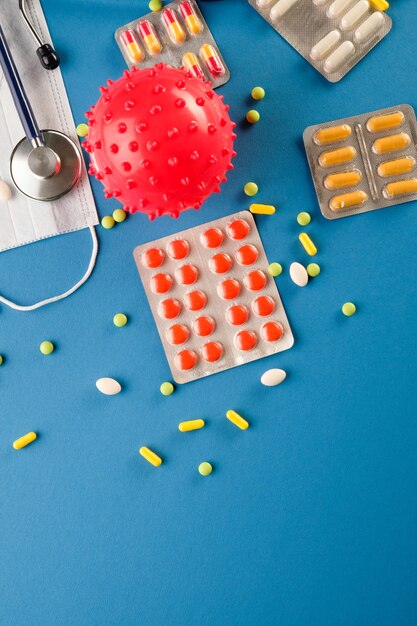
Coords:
82,130
1,359
253,116
120,320
47,347
348,309
304,218
313,269
155,5
251,189
166,389
119,215
205,468
108,221
275,269
258,93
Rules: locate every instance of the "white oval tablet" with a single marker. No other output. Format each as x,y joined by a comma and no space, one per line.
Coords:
298,274
369,27
5,191
339,56
273,377
355,14
108,386
325,45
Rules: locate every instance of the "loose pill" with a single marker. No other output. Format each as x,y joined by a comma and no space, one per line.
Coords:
304,218
337,157
238,229
263,306
47,347
255,280
152,258
150,39
161,283
262,209
204,326
178,249
396,167
253,116
155,5
247,255
166,388
132,47
273,377
400,188
258,93
82,130
1,359
174,29
205,468
211,59
108,386
5,191
120,320
220,263
392,143
245,340
347,200
369,27
185,360
150,456
325,45
338,57
195,300
177,334
313,269
22,442
275,269
237,315
354,15
348,309
107,222
298,274
191,20
237,419
186,274
380,5
211,351
307,244
385,122
229,289
343,179
281,8
186,427
332,134
190,61
272,331
119,215
212,238
251,189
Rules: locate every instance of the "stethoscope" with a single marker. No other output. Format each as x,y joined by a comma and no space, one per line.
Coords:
45,164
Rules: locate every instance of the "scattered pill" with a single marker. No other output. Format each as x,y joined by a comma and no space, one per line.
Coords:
307,244
186,427
313,269
388,121
332,134
108,222
120,320
166,389
273,377
298,274
155,5
205,469
262,209
303,218
1,359
150,456
348,309
251,189
47,347
252,116
379,5
237,420
5,191
275,269
258,93
108,386
24,441
82,130
392,143
119,215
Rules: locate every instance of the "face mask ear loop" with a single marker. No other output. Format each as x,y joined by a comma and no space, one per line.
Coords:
81,282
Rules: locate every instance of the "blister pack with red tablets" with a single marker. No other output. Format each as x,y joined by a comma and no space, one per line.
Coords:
214,303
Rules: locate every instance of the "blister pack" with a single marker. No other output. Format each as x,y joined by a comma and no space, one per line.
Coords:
365,162
178,35
332,35
214,303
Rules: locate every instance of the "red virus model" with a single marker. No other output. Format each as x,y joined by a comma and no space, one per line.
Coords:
160,140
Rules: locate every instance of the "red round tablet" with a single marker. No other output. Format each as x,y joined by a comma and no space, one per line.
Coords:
204,325
178,249
238,229
245,340
263,306
237,315
272,331
177,334
169,308
255,280
161,283
212,351
212,238
185,360
220,263
229,289
247,255
186,274
152,258
195,300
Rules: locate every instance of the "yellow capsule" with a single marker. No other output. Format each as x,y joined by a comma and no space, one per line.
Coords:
343,179
385,122
237,420
392,143
396,167
150,456
185,427
24,441
336,157
132,47
262,209
307,244
379,5
401,188
348,200
333,134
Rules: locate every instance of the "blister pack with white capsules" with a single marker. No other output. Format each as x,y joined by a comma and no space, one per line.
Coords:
365,162
332,35
213,301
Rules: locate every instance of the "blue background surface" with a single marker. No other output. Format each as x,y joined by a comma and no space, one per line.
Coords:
310,516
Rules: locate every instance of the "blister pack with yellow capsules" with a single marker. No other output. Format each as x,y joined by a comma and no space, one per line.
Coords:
365,162
177,35
332,35
213,301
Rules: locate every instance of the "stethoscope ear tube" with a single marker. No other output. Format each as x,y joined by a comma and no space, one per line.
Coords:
47,56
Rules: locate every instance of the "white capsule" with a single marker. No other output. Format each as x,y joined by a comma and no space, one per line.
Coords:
5,191
263,3
273,377
323,47
355,14
108,386
337,8
338,57
369,27
298,274
281,7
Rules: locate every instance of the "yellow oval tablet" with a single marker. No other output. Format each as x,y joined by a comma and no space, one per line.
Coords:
186,427
336,157
347,200
392,143
385,122
333,134
343,179
401,188
237,419
396,167
150,456
24,441
307,243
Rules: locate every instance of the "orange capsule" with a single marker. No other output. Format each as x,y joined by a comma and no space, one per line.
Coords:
178,249
191,20
190,61
177,334
272,331
203,326
152,258
246,340
229,289
263,306
212,351
237,315
133,49
238,229
174,28
247,255
149,36
169,309
161,283
195,300
220,263
186,274
185,360
212,238
255,281
212,60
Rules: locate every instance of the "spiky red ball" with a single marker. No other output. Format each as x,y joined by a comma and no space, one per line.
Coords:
160,140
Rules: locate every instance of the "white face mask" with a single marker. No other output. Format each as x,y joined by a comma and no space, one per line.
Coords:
23,220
